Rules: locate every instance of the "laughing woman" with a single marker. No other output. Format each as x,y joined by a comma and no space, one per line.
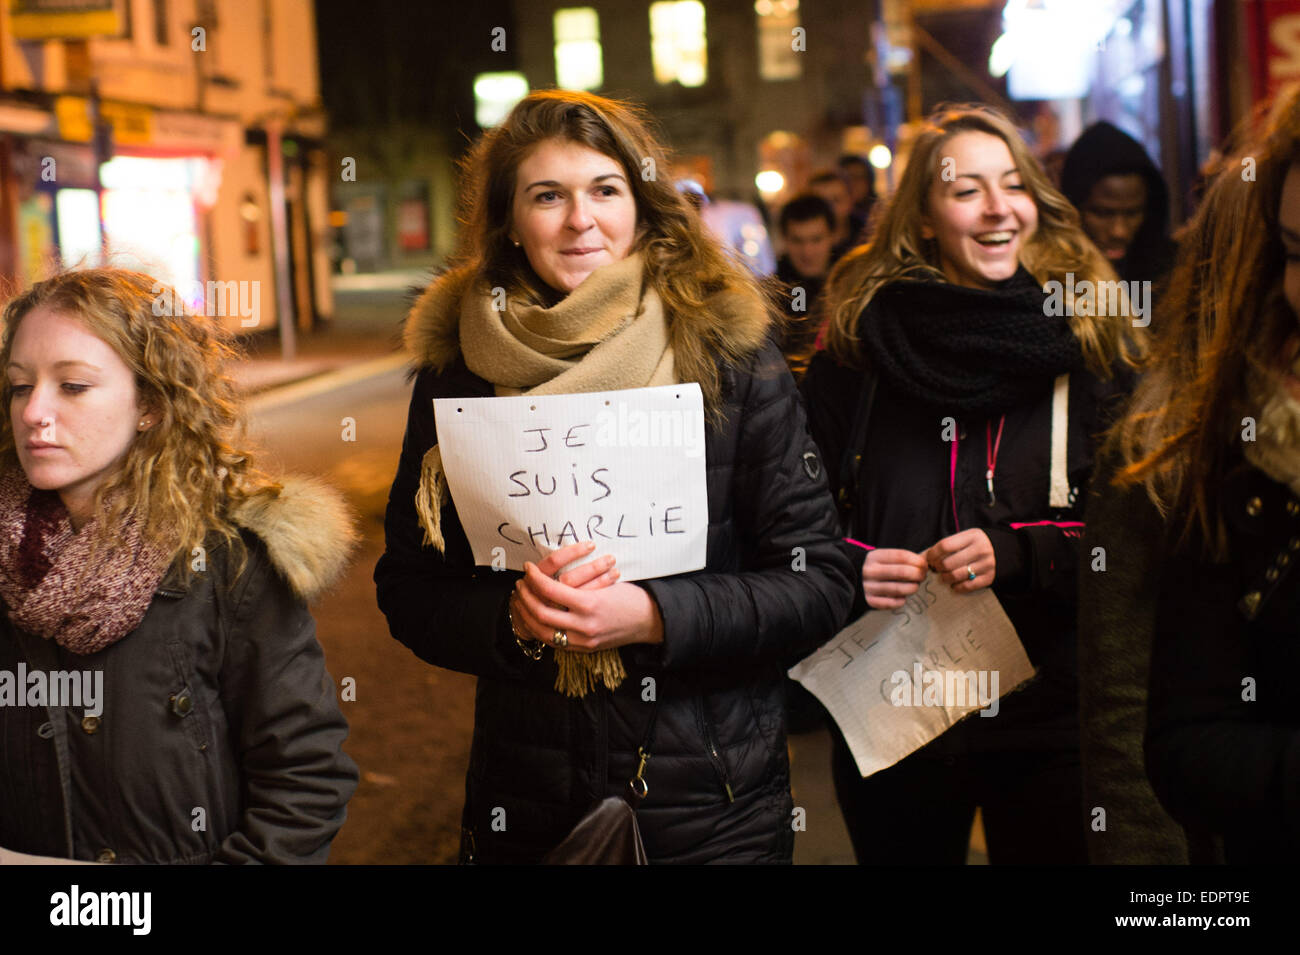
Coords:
955,409
139,547
612,283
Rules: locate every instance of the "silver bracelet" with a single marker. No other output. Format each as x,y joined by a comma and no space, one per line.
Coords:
531,648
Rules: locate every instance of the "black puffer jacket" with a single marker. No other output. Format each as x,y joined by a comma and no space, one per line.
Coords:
776,585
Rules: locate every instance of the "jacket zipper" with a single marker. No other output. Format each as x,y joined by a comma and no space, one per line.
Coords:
718,764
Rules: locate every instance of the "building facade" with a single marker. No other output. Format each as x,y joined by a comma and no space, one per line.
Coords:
180,137
737,86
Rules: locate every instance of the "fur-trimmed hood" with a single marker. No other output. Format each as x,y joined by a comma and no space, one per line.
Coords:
733,325
308,529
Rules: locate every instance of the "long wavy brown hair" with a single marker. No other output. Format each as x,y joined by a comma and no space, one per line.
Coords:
897,249
180,477
1222,319
683,262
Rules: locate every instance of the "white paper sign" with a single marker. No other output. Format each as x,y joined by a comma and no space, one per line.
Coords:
531,474
895,680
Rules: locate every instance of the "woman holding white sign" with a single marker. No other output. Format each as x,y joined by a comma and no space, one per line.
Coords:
582,269
955,408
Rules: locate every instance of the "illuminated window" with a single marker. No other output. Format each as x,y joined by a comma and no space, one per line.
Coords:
779,46
677,42
495,95
578,64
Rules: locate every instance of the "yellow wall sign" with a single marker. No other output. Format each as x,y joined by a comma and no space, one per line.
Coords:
64,19
73,116
132,124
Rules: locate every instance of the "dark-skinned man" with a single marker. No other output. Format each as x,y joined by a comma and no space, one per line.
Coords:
1122,200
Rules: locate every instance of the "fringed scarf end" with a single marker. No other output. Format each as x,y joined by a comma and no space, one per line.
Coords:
579,674
429,497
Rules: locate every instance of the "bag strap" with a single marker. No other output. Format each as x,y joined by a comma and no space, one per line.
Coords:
851,463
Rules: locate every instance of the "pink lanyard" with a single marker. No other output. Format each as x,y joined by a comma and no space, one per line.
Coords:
991,454
991,458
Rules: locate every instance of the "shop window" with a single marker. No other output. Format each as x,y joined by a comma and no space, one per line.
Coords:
778,58
578,63
495,95
77,214
678,43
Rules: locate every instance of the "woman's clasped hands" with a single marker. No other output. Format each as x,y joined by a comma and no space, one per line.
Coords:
588,605
890,576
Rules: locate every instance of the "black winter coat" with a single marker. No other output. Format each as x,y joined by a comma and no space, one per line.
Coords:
719,787
904,500
1223,733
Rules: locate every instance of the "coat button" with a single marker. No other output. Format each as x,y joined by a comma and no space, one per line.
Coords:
90,724
1293,508
182,703
1293,544
106,855
1254,506
1283,559
1271,574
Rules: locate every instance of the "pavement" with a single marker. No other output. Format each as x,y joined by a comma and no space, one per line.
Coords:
362,337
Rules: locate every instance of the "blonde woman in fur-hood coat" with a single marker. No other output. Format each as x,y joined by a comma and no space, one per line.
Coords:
611,284
163,698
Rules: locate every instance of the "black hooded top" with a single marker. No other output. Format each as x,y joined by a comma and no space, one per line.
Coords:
1105,150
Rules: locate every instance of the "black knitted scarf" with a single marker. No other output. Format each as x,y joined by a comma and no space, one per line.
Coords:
975,351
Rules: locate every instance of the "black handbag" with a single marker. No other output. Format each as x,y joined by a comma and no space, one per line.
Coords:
609,834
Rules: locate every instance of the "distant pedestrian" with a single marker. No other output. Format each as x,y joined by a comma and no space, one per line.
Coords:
860,176
807,225
141,551
1123,202
831,185
955,411
611,283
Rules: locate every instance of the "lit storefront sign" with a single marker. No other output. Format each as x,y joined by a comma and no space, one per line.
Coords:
1273,38
65,19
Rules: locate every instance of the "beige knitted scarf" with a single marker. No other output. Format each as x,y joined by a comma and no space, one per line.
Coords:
1276,448
607,334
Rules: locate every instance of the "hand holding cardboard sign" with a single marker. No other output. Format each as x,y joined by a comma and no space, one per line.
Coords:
890,576
956,557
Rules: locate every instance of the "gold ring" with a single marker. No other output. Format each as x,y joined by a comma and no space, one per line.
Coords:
560,639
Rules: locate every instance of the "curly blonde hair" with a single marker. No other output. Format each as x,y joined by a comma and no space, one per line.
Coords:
898,250
181,477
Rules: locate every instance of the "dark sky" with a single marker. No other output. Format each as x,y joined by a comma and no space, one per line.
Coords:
386,60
